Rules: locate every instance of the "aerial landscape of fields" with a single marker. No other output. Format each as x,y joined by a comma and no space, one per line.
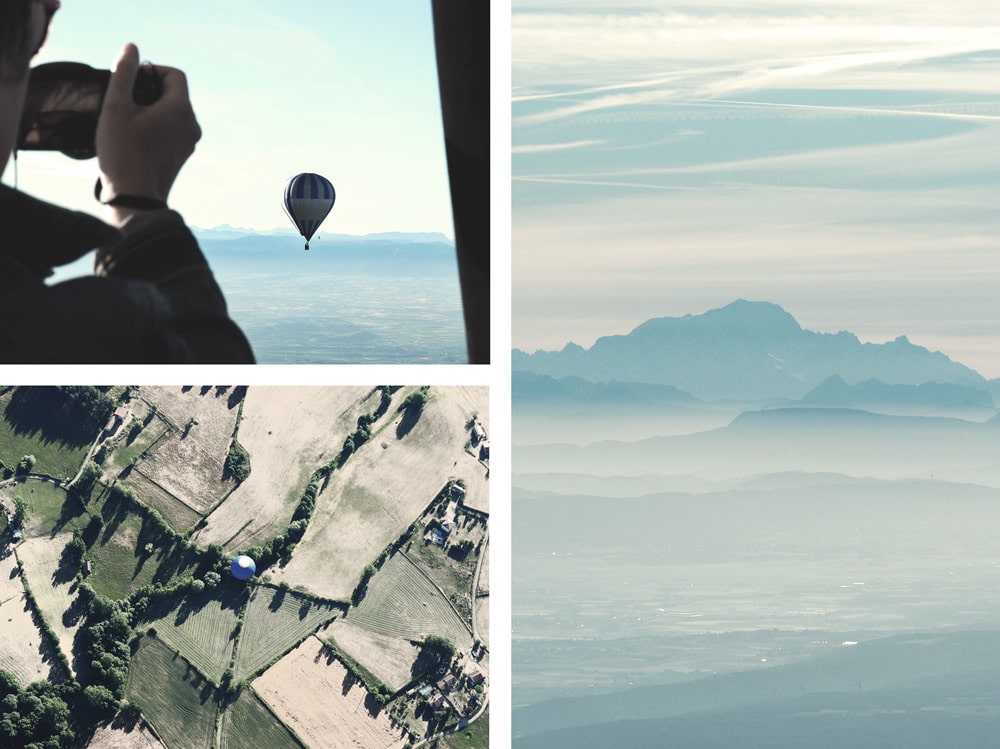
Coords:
231,566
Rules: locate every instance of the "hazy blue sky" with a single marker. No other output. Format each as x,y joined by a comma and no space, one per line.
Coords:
345,89
841,159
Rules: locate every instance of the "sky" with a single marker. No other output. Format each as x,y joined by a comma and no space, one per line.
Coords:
345,89
841,159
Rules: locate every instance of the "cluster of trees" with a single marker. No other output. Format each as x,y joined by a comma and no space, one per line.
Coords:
105,638
20,512
85,403
440,647
25,465
238,462
84,486
415,401
37,716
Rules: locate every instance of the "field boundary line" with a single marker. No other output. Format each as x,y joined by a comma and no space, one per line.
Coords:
268,707
162,488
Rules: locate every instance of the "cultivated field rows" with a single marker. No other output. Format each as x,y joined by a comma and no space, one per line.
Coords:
402,602
275,621
173,697
389,659
202,630
319,699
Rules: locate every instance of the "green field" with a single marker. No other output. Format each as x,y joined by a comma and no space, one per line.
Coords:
179,704
200,626
402,602
473,736
248,723
30,428
49,510
121,564
125,451
178,515
275,622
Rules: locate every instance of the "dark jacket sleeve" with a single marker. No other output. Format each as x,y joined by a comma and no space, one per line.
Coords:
186,311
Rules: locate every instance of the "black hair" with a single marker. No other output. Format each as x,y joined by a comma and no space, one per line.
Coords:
15,46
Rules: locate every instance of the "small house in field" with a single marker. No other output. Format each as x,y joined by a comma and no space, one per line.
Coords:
457,492
447,683
478,433
484,451
437,536
116,420
475,678
15,532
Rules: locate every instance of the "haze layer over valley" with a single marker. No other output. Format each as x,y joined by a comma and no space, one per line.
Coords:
726,525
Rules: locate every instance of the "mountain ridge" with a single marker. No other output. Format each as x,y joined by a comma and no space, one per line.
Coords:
746,349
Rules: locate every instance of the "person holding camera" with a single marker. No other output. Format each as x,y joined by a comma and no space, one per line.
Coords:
153,297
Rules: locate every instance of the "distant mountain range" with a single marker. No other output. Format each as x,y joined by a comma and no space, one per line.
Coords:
833,391
227,232
848,441
750,351
378,254
528,389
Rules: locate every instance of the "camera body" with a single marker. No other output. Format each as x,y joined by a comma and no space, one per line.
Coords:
63,103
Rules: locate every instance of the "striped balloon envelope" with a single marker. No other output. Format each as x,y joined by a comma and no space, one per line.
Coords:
308,199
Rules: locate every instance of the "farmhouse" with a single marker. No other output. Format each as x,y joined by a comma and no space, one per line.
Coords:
478,433
475,678
9,525
116,420
447,683
457,492
484,451
440,532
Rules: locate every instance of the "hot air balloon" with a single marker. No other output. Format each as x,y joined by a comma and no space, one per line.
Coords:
308,199
242,567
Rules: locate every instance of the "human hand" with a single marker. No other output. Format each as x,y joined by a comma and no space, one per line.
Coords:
141,149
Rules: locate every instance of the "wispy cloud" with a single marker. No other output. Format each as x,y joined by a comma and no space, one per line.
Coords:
546,147
606,58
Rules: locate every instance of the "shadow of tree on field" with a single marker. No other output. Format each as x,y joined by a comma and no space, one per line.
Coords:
76,611
127,720
114,512
237,395
305,608
372,706
279,597
72,508
349,681
410,418
207,692
38,412
427,660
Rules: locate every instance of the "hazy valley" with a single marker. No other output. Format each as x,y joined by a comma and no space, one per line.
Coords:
794,550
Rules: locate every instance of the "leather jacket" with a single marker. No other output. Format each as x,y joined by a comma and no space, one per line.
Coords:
153,298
